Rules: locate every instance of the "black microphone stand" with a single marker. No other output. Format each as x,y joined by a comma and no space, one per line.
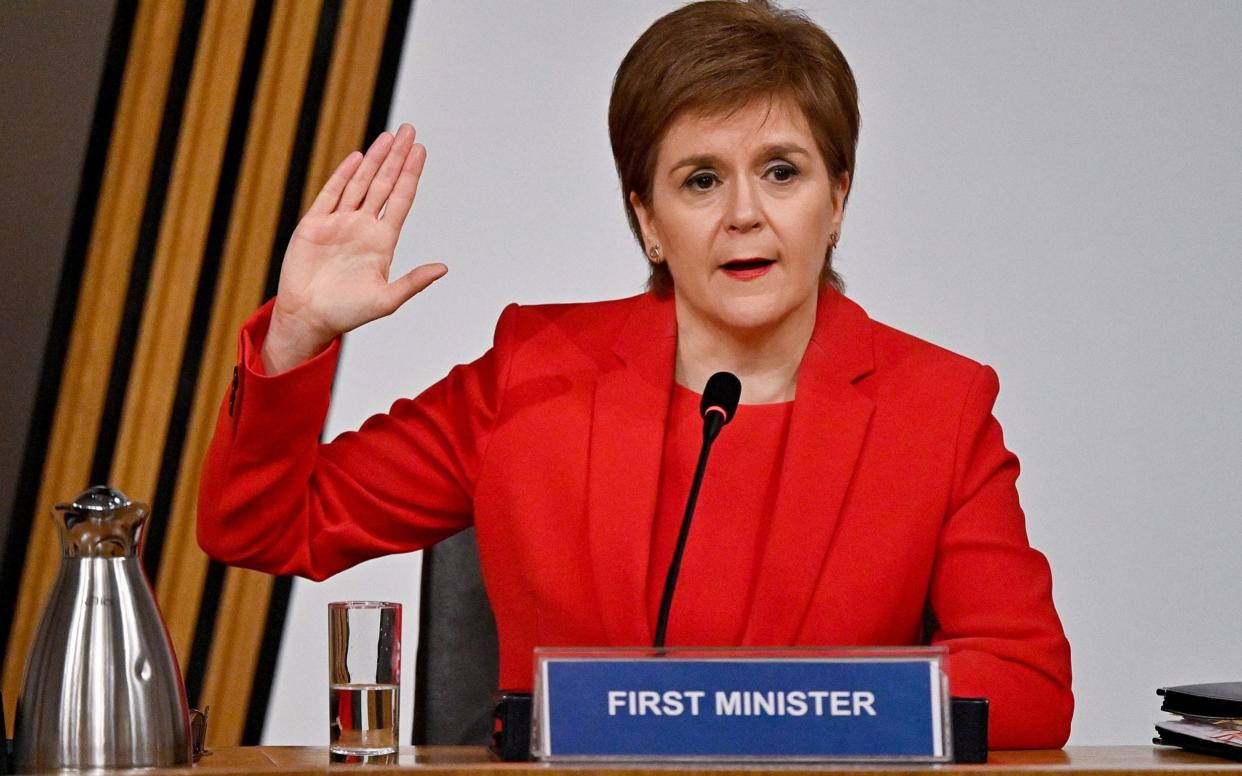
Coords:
720,399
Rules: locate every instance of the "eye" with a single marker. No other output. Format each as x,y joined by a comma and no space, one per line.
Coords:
701,181
783,173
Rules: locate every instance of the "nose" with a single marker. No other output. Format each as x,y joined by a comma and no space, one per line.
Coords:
745,211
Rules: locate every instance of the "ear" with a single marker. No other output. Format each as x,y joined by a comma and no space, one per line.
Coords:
645,223
840,193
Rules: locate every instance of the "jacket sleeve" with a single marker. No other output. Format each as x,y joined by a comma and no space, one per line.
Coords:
991,592
273,498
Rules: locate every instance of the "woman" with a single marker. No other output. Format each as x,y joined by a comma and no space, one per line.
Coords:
861,496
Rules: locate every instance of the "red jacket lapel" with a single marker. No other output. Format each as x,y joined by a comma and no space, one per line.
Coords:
826,434
627,442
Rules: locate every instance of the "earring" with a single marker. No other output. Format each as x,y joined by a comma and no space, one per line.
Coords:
834,238
654,253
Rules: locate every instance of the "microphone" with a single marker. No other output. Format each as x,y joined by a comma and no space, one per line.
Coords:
718,406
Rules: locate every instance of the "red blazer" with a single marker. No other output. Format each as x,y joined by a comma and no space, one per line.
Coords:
897,507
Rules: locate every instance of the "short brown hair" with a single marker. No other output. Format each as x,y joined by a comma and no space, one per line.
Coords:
718,56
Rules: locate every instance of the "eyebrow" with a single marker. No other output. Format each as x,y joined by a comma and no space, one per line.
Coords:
768,152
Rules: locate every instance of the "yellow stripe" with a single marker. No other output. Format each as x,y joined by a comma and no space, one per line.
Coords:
347,95
179,251
92,341
234,654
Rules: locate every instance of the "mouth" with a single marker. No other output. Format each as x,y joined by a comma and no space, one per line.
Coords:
747,269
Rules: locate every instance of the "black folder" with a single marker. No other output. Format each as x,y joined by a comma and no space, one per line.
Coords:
1204,705
1219,700
1191,744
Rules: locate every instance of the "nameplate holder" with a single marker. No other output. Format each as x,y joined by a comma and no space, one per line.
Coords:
790,704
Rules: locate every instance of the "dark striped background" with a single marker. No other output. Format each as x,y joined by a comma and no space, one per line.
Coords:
303,83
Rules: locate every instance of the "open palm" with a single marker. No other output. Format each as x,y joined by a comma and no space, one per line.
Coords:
335,274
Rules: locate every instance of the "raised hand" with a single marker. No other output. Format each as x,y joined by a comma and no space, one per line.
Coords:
334,277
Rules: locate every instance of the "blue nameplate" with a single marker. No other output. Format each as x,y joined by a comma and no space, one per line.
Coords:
795,704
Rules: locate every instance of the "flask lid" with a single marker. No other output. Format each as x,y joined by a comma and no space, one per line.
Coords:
98,498
101,523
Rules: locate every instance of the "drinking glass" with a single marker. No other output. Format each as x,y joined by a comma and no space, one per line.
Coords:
364,677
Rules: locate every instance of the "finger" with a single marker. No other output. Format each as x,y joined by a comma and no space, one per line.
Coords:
403,288
403,192
386,178
330,194
356,189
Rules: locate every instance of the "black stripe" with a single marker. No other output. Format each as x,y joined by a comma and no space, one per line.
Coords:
418,736
26,493
200,652
148,237
265,669
304,139
205,292
389,67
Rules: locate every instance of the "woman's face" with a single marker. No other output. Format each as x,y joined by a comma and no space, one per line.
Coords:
742,207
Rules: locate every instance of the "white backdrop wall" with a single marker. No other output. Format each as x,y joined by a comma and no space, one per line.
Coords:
1052,188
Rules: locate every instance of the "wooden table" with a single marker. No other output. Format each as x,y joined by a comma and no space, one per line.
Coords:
473,761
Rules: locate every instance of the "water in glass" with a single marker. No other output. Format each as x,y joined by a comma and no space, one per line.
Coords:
364,718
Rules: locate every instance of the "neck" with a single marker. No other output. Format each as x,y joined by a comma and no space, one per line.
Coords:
765,359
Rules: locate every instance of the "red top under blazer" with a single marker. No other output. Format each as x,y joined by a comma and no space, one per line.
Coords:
897,498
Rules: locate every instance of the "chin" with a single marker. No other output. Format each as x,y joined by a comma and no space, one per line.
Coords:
754,312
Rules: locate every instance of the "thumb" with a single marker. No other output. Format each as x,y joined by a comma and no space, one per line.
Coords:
405,287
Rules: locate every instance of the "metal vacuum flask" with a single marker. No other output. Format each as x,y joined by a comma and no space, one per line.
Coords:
102,687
